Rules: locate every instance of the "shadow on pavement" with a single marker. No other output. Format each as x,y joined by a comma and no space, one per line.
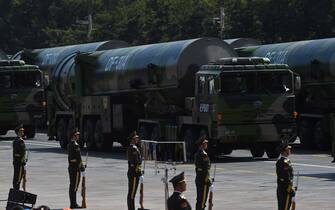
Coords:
233,159
116,153
326,176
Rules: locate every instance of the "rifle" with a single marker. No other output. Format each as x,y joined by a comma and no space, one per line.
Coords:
24,175
83,185
211,191
296,189
142,188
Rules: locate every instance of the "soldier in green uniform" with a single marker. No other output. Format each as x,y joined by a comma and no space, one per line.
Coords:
19,157
202,169
75,167
177,200
134,169
284,170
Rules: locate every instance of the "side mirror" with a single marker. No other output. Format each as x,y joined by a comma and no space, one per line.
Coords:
46,81
297,83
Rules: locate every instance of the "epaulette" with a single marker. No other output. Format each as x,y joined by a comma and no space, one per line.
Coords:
286,161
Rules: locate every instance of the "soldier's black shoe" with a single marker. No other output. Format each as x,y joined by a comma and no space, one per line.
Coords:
76,206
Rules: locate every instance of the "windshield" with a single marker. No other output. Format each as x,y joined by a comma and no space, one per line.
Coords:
275,82
20,79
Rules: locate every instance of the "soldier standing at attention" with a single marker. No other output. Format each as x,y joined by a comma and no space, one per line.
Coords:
177,201
75,167
134,169
284,170
202,169
19,157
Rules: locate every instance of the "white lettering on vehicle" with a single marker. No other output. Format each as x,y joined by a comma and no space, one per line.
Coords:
204,108
116,63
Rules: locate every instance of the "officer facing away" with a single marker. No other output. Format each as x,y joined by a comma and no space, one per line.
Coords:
134,169
284,170
19,157
75,167
177,200
202,169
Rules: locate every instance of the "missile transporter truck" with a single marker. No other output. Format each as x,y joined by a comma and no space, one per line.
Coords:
314,60
51,59
22,98
177,91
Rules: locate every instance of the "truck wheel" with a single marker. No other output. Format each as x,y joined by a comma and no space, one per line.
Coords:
272,150
3,132
69,129
101,143
161,149
61,133
306,133
320,137
30,131
190,139
257,150
226,149
88,135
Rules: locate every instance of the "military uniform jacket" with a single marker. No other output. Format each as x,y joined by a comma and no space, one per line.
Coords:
202,164
178,202
284,172
19,151
74,155
134,161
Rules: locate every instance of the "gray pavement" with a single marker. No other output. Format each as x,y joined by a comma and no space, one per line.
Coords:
241,182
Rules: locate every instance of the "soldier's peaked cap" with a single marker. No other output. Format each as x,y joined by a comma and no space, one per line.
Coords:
201,140
75,132
284,147
133,135
178,179
19,128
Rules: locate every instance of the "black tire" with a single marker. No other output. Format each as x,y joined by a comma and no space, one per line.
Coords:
190,138
88,135
320,137
3,132
272,150
257,150
30,131
161,149
306,133
101,143
226,149
61,133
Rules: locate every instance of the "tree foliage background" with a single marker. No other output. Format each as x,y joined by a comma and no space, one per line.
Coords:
47,23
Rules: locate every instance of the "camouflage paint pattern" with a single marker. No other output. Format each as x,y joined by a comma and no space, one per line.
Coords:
251,117
21,103
50,60
314,61
166,67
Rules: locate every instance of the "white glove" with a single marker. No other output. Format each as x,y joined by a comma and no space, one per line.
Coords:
211,188
142,179
83,173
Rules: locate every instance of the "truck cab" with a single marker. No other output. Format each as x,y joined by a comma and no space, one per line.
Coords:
21,95
246,103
